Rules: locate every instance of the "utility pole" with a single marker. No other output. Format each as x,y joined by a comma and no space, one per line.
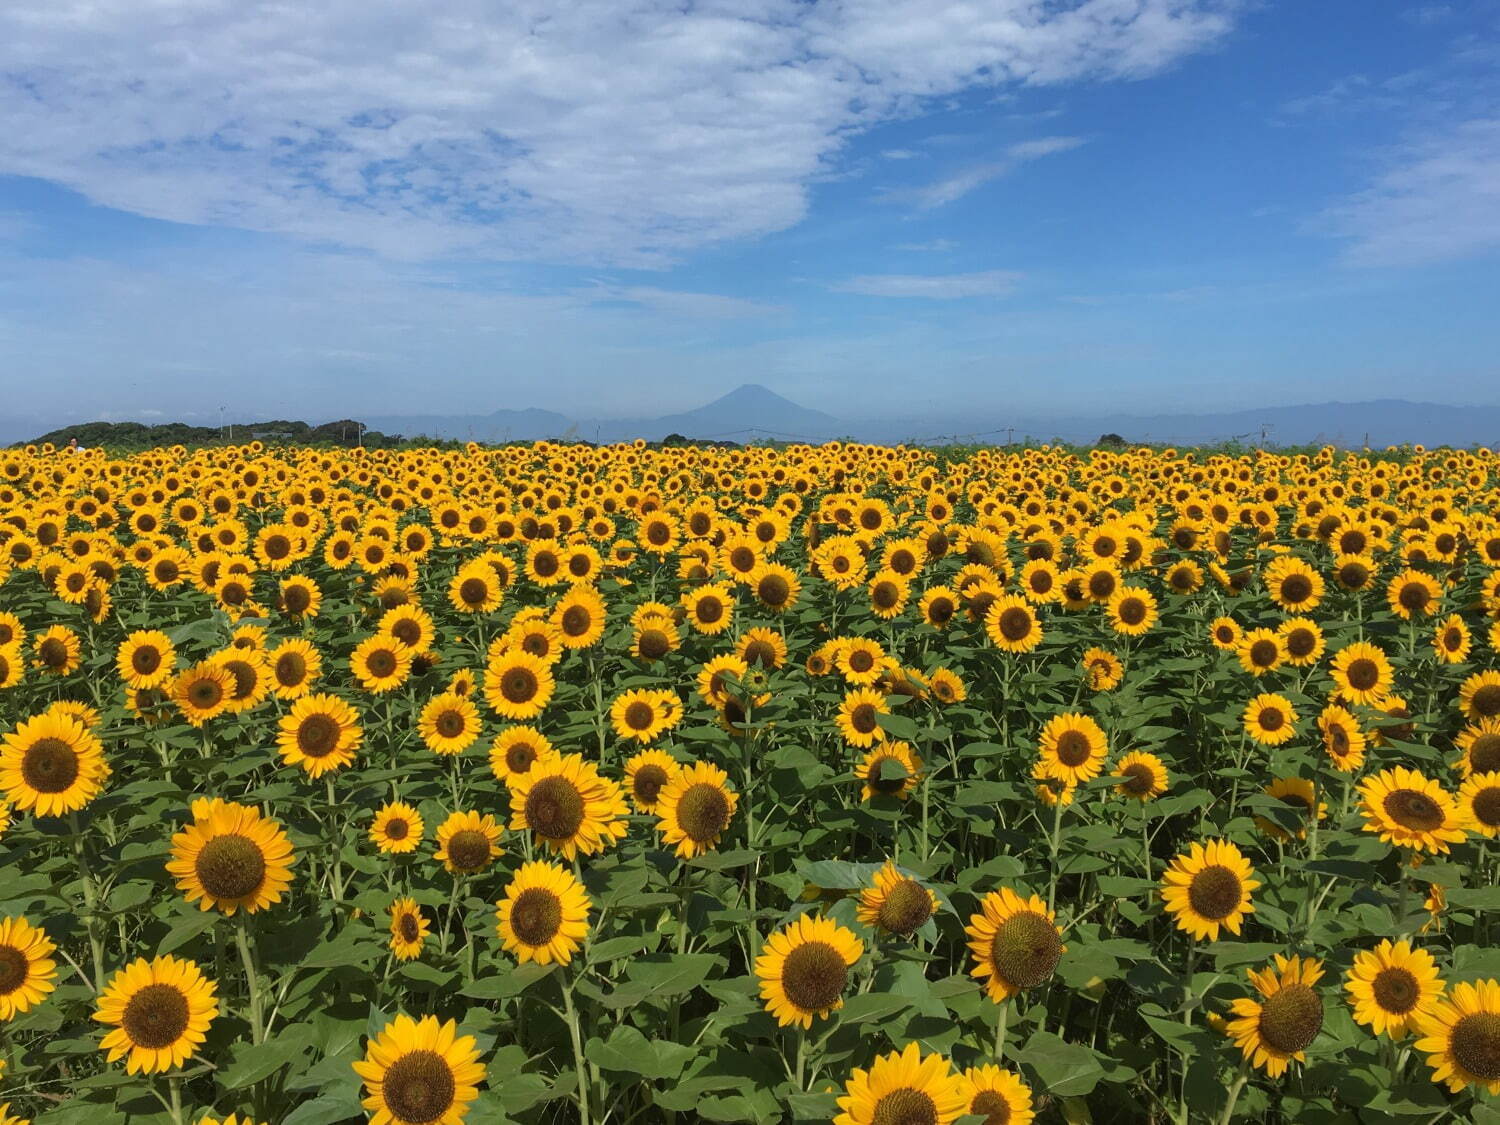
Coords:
1265,428
1009,430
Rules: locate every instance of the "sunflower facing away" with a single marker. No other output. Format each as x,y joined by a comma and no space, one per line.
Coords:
1460,1035
544,916
1073,748
903,1088
409,929
1389,985
320,733
999,1096
568,805
160,1011
419,1072
467,843
397,829
804,969
51,764
231,858
1278,1028
695,809
27,970
1208,887
894,903
1409,810
1015,942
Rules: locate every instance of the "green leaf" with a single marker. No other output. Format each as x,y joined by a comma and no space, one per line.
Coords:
630,1052
254,1062
1065,1069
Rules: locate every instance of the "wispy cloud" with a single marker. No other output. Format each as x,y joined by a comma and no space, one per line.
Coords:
939,287
961,183
931,246
680,303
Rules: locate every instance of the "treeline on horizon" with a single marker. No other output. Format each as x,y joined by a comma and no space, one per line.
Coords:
139,435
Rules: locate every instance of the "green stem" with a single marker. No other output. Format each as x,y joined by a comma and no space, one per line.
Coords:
1001,1019
578,1063
1234,1095
252,978
174,1086
91,902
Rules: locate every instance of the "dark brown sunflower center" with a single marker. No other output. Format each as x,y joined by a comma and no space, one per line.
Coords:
1139,779
1396,991
52,652
145,660
1074,748
774,590
1487,701
381,662
1270,719
1354,575
761,653
647,783
231,867
1026,949
906,908
653,644
1225,634
1487,806
1215,892
1101,583
861,660
450,724
1296,588
1264,653
468,849
1301,642
905,1106
1338,740
519,685
536,915
992,1106
518,757
703,812
813,976
408,927
1474,1044
472,591
885,595
156,1016
1363,673
1413,810
554,808
397,828
1015,624
887,774
318,735
576,621
658,533
290,669
1291,1019
940,611
1132,611
419,1088
862,718
49,765
1414,596
1453,640
296,599
639,715
408,631
14,969
709,610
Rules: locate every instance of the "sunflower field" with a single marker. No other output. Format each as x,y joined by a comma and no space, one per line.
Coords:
875,786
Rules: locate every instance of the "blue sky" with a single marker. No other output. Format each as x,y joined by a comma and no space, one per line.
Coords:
879,209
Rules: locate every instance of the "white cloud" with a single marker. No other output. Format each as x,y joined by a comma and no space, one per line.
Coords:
618,131
1438,200
943,287
960,184
931,246
900,154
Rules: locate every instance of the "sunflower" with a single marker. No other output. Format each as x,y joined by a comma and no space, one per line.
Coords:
56,651
938,606
804,969
946,686
320,733
475,589
1411,811
1278,1028
903,1088
409,929
146,659
1260,651
652,637
409,624
891,769
710,608
231,858
397,828
515,749
12,666
1414,594
52,764
160,1011
648,773
1451,641
27,970
1039,582
1143,776
467,843
643,715
1011,624
1102,669
1296,793
1302,641
762,648
1269,719
449,724
1363,673
1131,611
1479,748
999,1096
1207,887
579,617
419,1072
1343,739
294,665
518,685
1461,1036
544,916
695,808
380,663
1015,942
1293,584
858,717
1479,696
568,805
250,676
1389,985
299,598
1225,632
894,903
859,660
776,587
1479,801
1073,748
